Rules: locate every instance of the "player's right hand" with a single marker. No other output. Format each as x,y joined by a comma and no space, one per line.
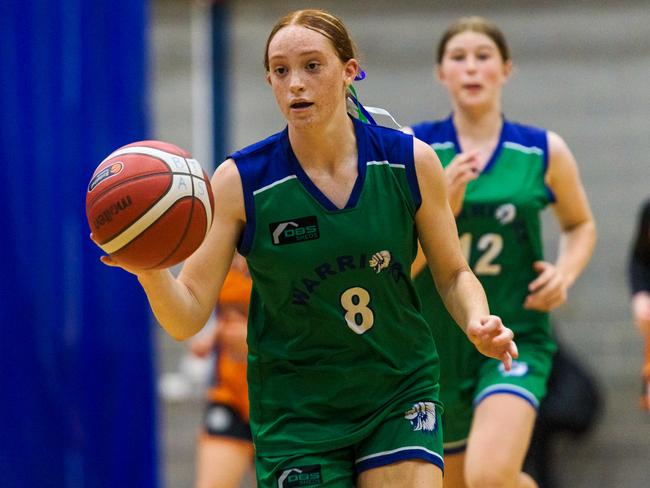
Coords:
462,169
108,260
493,339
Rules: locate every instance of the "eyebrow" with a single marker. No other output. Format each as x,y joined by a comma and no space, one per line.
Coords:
480,46
302,53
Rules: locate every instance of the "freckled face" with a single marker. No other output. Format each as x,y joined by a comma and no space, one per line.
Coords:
472,70
307,77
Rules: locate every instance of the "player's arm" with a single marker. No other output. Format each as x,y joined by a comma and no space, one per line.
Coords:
183,305
460,290
578,230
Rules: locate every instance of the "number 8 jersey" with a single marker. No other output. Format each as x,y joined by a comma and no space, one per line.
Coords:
335,331
499,224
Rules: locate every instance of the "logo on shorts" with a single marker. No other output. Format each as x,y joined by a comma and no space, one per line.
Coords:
379,261
295,230
519,368
422,416
300,476
107,172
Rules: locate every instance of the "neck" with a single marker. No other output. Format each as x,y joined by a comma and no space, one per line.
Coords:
324,145
478,124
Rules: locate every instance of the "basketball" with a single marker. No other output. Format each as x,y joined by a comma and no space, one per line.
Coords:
149,205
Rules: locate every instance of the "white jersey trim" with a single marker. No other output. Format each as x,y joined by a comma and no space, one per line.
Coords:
406,448
275,183
525,149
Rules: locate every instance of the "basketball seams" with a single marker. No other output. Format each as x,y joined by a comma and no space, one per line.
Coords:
187,224
131,179
136,235
165,202
192,166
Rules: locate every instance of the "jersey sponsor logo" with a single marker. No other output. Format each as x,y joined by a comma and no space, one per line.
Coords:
505,213
519,368
300,476
379,261
294,230
422,416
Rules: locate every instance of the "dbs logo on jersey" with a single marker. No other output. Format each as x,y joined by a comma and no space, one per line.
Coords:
294,230
300,476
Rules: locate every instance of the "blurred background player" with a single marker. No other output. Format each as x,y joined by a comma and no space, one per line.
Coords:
500,176
225,446
639,278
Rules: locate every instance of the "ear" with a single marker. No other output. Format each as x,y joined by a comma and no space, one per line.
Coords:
507,69
267,77
438,73
350,69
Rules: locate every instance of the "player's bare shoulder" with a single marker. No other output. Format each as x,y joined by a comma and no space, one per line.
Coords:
228,190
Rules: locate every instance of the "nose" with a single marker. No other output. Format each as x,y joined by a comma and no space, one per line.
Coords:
296,84
470,63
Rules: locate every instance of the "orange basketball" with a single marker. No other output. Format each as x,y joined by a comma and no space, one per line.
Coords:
149,204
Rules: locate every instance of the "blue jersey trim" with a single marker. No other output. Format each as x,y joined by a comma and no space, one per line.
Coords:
510,391
272,161
497,151
384,459
259,165
441,131
314,191
408,149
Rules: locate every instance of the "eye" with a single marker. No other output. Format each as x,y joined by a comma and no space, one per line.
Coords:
483,56
280,70
313,66
457,57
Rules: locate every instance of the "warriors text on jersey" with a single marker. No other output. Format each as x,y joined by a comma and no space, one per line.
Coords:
335,331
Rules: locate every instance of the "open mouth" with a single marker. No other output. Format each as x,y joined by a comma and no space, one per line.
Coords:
299,105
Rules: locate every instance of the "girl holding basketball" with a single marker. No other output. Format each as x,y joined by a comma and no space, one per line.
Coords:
342,368
500,175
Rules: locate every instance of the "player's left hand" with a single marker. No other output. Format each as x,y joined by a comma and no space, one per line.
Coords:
493,339
548,291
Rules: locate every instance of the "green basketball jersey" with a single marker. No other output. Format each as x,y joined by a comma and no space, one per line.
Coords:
499,225
335,331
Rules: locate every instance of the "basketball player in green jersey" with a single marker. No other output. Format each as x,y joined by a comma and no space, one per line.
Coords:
500,175
342,366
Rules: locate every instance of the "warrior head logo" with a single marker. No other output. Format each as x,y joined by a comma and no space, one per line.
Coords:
422,416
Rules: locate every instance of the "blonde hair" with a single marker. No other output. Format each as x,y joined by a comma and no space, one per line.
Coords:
474,24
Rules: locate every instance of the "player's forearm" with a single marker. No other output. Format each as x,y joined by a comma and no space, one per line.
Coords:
576,247
465,298
173,304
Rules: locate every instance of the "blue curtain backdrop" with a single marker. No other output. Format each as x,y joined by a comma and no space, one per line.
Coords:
76,378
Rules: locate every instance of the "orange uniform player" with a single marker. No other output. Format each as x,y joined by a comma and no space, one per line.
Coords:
225,447
232,310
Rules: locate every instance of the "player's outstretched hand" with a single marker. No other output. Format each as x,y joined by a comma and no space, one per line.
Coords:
493,339
109,261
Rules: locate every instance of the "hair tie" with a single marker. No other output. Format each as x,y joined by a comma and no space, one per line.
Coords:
360,76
